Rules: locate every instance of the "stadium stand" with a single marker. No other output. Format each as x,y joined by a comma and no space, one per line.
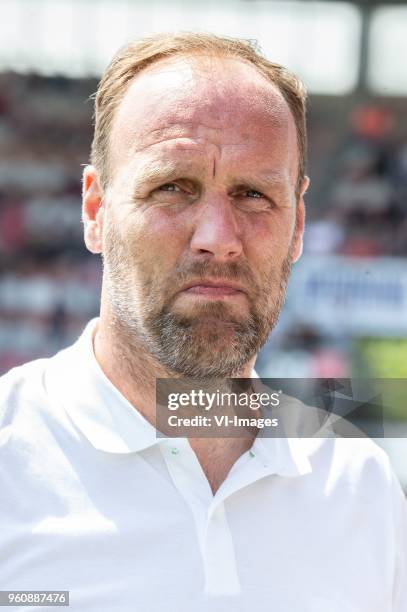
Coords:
49,284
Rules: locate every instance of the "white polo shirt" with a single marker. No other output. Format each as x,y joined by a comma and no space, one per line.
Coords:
92,502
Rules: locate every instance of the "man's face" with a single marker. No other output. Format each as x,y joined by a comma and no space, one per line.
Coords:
201,221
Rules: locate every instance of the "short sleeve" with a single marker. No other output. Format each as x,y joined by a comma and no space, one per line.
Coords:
400,579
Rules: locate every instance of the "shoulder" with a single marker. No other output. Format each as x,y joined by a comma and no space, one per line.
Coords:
363,458
28,410
20,387
357,471
354,459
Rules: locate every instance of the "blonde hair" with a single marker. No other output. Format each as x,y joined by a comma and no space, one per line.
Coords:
136,56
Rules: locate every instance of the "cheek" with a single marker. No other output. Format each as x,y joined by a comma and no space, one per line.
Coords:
269,239
166,232
157,238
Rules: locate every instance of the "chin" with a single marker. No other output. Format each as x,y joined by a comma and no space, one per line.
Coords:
210,310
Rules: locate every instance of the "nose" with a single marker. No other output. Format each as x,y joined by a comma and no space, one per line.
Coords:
216,230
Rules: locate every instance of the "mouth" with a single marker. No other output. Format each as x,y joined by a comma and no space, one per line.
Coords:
213,289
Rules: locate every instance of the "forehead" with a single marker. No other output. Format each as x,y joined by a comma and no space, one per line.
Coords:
224,101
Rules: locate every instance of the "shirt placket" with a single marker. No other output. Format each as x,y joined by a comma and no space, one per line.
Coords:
209,512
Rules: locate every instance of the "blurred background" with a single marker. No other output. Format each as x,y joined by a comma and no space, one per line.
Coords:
346,310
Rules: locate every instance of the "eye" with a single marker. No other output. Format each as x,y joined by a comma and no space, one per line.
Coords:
252,193
169,187
174,193
251,199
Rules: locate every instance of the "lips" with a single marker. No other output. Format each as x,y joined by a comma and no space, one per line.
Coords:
214,288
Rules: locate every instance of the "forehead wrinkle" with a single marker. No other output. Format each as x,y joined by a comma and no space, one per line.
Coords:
271,176
180,144
196,130
196,133
183,125
157,135
153,171
190,156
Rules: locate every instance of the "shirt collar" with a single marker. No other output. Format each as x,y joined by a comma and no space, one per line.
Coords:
285,456
112,424
93,403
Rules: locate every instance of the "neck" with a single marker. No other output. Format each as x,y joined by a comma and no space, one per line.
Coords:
133,370
129,368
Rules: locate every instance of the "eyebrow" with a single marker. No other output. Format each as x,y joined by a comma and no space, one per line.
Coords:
264,180
156,172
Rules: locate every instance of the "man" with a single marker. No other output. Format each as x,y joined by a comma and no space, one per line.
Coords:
195,200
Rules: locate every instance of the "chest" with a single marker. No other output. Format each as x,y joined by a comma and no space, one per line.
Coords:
125,549
139,531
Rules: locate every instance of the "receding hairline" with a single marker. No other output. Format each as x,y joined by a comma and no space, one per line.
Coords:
202,60
149,53
269,98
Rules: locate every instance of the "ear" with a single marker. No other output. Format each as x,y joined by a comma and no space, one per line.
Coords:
299,223
92,210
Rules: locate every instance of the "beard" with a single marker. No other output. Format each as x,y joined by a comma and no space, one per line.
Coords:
209,339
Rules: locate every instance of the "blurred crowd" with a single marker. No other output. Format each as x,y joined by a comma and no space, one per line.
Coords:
360,211
365,209
49,283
